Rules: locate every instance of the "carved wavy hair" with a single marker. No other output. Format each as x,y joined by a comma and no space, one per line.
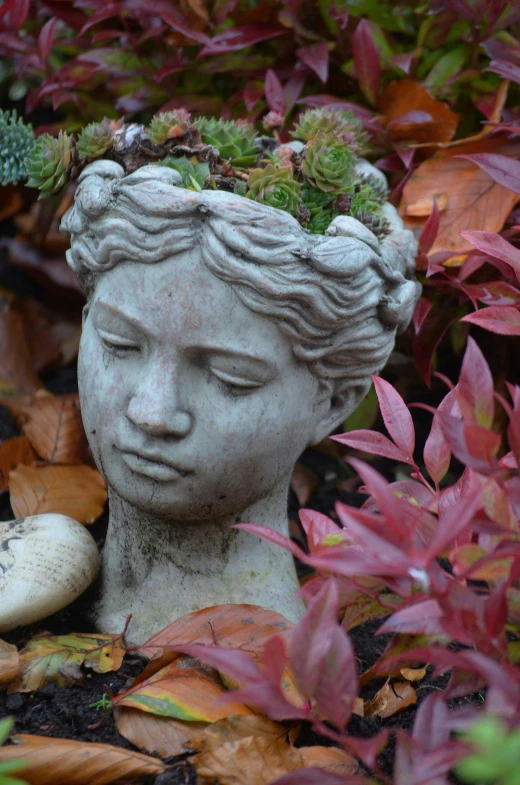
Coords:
339,297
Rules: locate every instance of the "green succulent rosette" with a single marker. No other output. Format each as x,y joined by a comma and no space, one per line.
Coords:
329,163
276,187
95,139
326,121
193,174
48,163
235,143
321,209
16,143
168,125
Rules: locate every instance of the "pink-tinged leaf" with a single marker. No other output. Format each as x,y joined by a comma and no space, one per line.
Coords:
476,384
316,527
499,319
431,726
429,336
107,12
271,535
493,293
473,445
274,658
422,618
358,525
421,311
338,685
396,416
235,38
505,70
502,168
19,10
388,504
430,229
495,611
452,523
372,442
316,57
312,638
492,244
274,93
366,61
46,39
509,461
437,454
253,92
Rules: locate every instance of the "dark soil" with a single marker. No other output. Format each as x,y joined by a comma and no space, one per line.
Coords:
67,712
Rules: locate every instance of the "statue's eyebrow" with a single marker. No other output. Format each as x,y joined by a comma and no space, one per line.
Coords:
114,311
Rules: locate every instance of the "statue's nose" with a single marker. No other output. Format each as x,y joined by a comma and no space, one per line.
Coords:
155,406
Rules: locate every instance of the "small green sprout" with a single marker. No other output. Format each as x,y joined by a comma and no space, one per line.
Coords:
9,766
103,703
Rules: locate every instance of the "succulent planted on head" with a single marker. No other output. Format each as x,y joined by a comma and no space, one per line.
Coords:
314,178
16,142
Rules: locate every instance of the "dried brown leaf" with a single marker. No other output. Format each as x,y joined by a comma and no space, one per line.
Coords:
43,347
250,761
55,429
412,115
9,663
390,699
474,199
13,452
332,759
151,733
303,482
18,380
77,491
57,659
413,674
65,762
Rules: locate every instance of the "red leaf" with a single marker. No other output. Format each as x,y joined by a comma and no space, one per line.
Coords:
500,319
366,61
452,523
473,445
437,454
177,21
396,416
19,10
312,638
502,168
338,686
253,92
235,38
494,245
431,727
105,12
274,93
316,527
372,442
271,535
422,618
430,229
46,39
493,293
476,385
388,504
429,336
316,57
505,70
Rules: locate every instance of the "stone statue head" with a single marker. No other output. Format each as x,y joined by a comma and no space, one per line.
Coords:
221,339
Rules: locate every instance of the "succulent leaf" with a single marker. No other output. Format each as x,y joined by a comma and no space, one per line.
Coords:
16,143
235,143
343,124
95,139
48,163
329,163
276,187
168,125
193,174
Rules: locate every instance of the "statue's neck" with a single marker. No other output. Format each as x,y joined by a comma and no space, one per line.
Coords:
160,569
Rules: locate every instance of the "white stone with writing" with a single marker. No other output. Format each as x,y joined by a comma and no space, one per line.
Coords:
46,561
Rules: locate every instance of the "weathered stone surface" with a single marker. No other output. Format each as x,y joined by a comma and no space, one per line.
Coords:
220,339
46,561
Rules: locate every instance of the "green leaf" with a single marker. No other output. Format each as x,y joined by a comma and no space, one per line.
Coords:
448,65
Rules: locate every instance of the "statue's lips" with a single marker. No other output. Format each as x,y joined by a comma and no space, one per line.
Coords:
152,466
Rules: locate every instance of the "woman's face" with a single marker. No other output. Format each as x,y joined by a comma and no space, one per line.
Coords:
194,406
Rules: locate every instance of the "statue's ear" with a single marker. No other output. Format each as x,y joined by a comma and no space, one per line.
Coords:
332,411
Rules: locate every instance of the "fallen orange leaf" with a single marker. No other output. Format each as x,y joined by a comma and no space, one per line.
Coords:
77,491
413,674
231,626
390,699
13,452
303,482
57,659
332,759
412,115
65,762
55,429
9,663
184,693
474,200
